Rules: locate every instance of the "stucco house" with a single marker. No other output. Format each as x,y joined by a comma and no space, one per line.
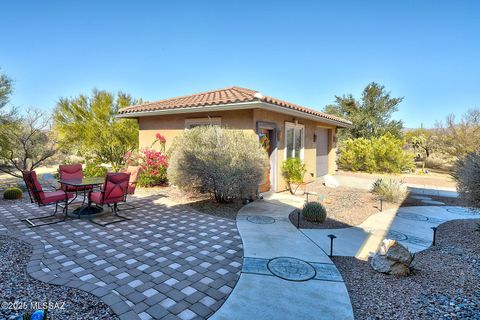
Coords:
292,130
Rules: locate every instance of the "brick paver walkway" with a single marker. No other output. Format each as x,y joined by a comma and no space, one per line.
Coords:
166,263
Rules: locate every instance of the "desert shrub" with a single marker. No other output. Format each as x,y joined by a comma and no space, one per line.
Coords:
467,174
440,163
12,194
381,154
389,189
357,155
293,170
153,163
314,212
228,164
94,170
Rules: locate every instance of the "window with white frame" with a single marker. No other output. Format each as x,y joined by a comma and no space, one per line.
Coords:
294,140
197,122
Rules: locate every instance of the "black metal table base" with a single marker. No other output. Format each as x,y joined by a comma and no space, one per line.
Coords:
86,210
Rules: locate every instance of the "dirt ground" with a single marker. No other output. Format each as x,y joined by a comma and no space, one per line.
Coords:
202,203
444,285
433,178
348,207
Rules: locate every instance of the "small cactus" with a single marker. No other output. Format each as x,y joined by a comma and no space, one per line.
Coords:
314,212
12,194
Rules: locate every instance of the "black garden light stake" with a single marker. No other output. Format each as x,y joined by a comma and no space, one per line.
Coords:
298,219
381,204
434,235
331,236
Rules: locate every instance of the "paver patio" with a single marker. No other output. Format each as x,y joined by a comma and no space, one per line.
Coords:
166,263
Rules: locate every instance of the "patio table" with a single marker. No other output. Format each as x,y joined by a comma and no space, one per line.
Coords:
85,182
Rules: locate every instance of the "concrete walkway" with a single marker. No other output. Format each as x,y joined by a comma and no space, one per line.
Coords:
365,183
314,289
411,226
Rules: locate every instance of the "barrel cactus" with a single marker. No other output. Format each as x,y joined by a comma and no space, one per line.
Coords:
314,212
12,194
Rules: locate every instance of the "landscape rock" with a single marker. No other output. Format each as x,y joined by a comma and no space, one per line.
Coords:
392,258
330,182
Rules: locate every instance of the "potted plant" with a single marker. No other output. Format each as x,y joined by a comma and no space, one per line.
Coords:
293,171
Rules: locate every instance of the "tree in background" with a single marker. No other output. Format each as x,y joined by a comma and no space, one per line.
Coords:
371,116
88,126
6,89
26,138
26,143
459,138
423,142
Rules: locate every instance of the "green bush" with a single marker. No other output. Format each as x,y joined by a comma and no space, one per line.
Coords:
94,170
293,170
467,174
314,212
382,154
12,194
389,189
228,164
148,180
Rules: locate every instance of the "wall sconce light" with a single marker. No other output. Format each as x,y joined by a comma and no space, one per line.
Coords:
314,137
279,134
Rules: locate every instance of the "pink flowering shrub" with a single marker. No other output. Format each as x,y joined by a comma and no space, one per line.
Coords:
154,164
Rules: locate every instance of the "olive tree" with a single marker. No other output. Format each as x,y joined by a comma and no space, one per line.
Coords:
27,142
228,164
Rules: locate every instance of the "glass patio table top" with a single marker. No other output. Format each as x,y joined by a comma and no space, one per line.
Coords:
83,182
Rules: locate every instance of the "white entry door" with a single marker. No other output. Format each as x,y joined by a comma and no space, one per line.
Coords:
322,151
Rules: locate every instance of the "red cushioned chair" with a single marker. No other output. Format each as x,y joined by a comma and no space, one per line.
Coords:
73,171
132,183
114,190
42,198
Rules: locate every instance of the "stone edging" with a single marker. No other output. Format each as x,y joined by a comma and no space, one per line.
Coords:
34,269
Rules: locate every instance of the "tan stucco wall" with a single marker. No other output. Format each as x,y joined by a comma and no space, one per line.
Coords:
310,150
172,125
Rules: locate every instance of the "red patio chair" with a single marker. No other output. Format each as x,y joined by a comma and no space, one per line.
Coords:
114,190
42,198
73,171
132,183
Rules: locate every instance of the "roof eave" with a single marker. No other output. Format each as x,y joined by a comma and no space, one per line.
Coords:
237,106
202,108
305,115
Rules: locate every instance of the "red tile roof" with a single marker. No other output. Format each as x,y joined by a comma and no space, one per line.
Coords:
223,96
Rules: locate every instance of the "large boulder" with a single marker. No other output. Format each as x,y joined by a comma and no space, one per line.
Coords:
330,182
392,258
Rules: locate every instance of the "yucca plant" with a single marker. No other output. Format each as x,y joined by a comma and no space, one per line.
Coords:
389,189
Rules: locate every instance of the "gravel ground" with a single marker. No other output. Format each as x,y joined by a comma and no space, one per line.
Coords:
347,207
17,286
445,284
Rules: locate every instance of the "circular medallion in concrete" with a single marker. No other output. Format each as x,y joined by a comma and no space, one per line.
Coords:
412,216
463,211
395,235
260,219
291,269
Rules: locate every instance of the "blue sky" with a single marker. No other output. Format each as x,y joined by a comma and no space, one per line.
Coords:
305,52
